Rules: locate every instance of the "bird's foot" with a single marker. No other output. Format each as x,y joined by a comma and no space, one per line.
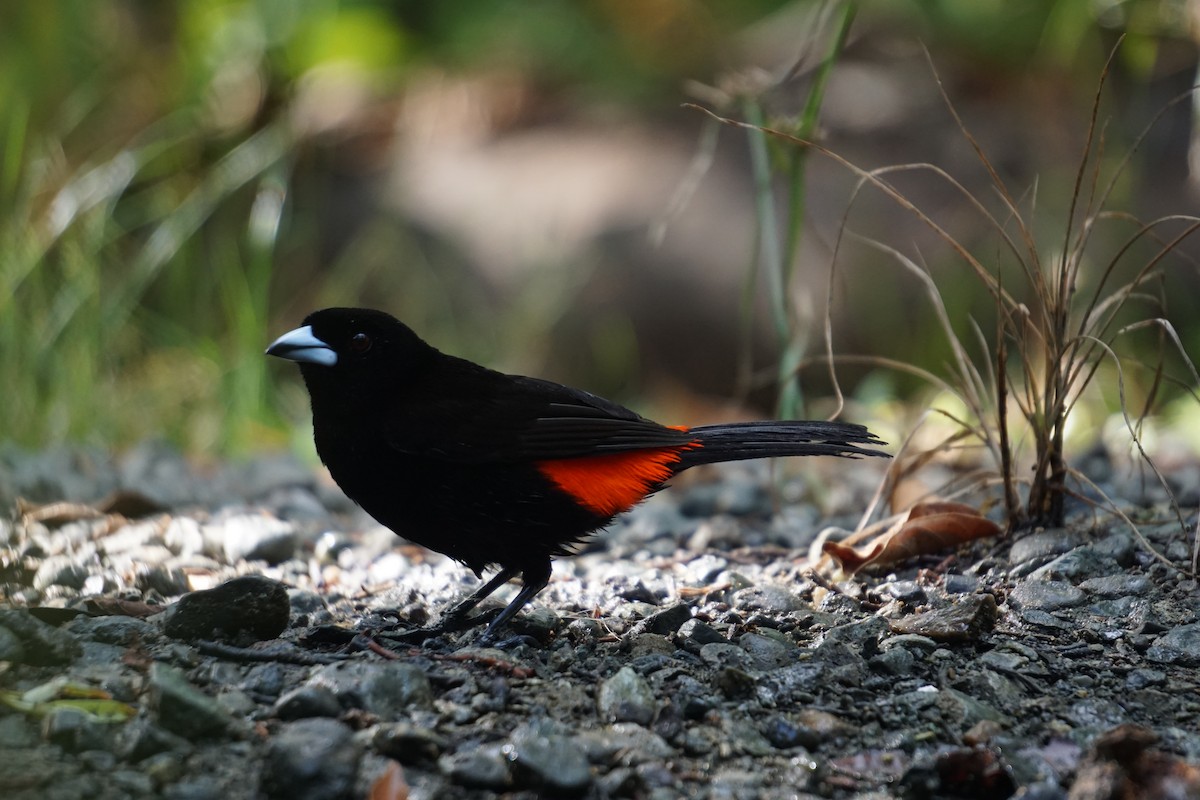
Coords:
450,623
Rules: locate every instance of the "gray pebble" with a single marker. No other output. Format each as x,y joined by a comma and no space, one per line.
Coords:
310,759
549,762
42,644
16,731
767,652
388,689
184,536
664,622
477,768
541,623
1179,645
133,784
163,768
140,739
182,708
1044,545
909,592
74,731
166,581
307,701
770,598
726,654
200,788
698,633
61,570
407,743
1079,564
624,743
114,630
257,537
956,583
11,649
1142,678
626,697
897,661
1119,585
250,607
1046,596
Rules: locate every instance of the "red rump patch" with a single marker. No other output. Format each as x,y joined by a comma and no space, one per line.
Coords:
613,482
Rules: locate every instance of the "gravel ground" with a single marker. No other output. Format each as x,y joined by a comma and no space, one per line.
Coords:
687,652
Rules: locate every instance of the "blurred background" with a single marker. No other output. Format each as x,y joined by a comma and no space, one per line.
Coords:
521,182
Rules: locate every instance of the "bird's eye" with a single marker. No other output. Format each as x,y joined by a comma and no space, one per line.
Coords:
360,343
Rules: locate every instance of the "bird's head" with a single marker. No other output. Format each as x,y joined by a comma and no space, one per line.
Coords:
351,346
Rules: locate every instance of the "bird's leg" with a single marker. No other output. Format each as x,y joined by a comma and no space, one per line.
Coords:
456,619
533,580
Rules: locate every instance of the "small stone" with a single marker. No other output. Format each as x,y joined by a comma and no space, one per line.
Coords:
73,730
962,621
250,607
60,571
1120,585
11,648
910,641
306,702
114,630
1043,545
1046,595
140,739
770,598
1179,645
664,622
784,735
954,583
736,684
626,697
909,592
202,788
182,708
1079,564
163,768
696,633
1142,678
539,623
482,768
257,537
963,710
130,783
41,645
624,743
551,763
161,579
767,652
407,743
387,690
16,732
310,759
898,661
726,654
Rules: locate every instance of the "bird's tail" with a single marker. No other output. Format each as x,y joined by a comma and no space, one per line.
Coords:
742,440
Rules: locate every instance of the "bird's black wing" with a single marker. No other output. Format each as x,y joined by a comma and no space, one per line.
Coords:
519,419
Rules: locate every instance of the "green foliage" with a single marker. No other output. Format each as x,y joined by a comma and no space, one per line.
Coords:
155,160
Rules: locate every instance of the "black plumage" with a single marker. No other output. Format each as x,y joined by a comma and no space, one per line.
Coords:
494,469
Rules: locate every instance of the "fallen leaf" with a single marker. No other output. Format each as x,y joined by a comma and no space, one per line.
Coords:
927,528
116,607
390,785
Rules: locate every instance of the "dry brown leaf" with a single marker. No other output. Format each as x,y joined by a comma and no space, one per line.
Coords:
116,607
390,785
928,528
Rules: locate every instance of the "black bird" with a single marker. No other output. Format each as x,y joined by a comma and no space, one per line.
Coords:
494,469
